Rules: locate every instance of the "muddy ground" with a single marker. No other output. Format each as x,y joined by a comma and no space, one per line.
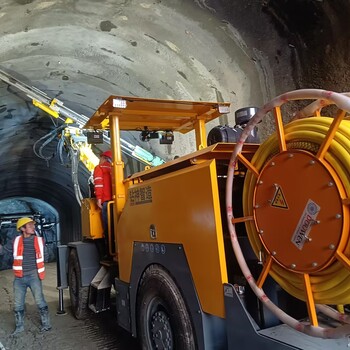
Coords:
98,332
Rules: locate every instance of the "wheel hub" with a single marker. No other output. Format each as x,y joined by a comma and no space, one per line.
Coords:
161,331
298,211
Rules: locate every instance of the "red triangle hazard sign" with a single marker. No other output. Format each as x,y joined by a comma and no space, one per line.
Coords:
278,200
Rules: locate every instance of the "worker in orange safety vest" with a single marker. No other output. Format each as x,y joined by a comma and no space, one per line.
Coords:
103,191
29,270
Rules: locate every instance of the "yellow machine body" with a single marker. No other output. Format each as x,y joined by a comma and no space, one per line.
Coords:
290,213
183,208
182,205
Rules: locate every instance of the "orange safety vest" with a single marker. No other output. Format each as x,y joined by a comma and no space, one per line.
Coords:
18,256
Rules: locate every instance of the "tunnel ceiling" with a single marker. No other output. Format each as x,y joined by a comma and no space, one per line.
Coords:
82,51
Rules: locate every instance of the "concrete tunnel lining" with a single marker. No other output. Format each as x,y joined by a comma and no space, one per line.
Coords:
82,51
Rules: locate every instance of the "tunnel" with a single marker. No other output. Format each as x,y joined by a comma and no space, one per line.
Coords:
81,51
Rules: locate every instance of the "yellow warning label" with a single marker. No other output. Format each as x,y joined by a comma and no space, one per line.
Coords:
278,200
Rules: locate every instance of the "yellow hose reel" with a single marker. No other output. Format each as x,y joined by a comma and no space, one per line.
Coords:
301,217
296,205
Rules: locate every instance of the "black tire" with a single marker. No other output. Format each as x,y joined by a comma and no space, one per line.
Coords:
79,296
163,319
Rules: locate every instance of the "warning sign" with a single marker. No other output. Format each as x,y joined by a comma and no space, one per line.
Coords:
279,200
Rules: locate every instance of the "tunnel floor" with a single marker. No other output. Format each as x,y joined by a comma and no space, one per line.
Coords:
100,331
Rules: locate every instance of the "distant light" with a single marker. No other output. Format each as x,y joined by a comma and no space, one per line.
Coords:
119,103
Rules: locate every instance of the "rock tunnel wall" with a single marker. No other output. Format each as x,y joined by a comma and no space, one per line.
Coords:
81,51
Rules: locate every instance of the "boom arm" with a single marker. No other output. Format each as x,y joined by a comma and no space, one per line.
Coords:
57,109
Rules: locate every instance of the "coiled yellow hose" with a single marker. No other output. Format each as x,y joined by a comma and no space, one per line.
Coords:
325,147
332,284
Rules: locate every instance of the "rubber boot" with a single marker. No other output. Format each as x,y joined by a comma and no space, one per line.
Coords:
45,319
19,318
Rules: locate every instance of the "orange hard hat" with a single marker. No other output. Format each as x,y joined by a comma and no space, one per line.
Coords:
107,154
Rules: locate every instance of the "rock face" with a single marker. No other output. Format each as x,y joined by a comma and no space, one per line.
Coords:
82,51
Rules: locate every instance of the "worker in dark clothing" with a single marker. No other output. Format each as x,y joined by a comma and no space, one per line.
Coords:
29,270
103,190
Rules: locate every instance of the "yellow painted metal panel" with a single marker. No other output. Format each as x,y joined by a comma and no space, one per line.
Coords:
135,113
117,169
201,136
184,207
217,151
91,219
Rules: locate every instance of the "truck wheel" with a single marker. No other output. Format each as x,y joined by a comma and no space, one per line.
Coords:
163,319
78,295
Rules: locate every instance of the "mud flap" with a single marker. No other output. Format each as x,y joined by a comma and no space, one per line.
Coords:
123,304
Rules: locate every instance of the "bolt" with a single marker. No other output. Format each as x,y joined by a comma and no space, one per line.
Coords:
179,247
314,264
331,246
272,163
338,216
261,232
256,206
308,239
290,155
261,182
312,162
273,253
293,266
330,184
198,311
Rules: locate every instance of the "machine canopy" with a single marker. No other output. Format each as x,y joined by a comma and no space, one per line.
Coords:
135,113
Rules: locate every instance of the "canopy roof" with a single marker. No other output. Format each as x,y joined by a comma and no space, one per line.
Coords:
135,113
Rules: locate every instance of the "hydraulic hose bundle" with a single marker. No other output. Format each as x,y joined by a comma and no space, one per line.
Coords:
296,209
